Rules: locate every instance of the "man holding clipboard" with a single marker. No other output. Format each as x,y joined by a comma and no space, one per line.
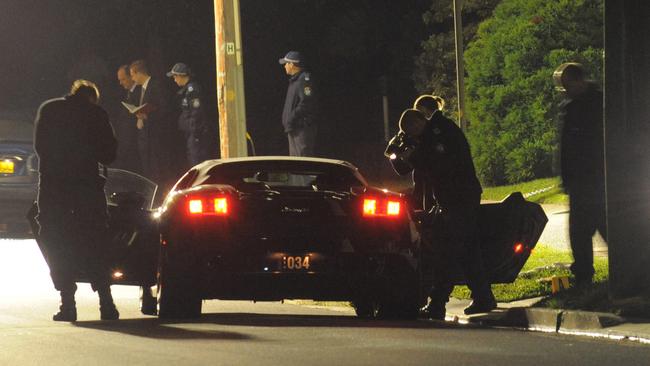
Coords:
152,124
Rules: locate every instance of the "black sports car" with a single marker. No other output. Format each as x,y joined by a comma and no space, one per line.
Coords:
272,228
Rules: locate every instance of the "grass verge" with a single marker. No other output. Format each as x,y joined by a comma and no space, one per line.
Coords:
545,190
534,279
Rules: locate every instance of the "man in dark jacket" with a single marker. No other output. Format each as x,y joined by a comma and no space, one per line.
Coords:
299,114
582,164
72,137
443,167
192,120
128,157
155,131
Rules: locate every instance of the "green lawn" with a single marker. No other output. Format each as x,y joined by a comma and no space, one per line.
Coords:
544,263
545,190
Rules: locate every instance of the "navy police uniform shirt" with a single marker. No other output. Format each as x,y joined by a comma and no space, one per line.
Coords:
299,106
444,160
192,117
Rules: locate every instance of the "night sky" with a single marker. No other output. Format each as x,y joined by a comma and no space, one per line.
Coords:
349,45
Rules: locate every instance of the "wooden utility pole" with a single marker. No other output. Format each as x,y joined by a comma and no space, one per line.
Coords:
230,79
460,68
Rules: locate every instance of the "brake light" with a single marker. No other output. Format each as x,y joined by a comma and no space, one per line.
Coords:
369,207
220,206
208,206
519,248
392,208
373,207
196,206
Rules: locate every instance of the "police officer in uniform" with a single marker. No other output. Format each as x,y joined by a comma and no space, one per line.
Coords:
72,137
582,164
299,113
442,165
192,120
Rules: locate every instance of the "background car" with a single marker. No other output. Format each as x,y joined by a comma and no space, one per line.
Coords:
18,172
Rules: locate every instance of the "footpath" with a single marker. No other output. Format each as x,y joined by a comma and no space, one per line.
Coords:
522,315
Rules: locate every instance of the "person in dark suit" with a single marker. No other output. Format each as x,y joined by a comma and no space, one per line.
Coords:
128,157
72,137
154,128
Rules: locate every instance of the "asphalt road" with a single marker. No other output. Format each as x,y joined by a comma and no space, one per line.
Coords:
244,333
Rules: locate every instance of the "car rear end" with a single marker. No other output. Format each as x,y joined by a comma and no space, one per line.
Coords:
18,175
272,243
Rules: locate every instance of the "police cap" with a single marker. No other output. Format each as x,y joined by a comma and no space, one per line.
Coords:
179,69
292,56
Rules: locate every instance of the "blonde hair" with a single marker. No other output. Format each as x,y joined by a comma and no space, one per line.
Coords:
85,88
432,102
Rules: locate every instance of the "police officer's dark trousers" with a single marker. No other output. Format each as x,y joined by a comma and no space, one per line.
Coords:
302,141
587,214
196,152
457,251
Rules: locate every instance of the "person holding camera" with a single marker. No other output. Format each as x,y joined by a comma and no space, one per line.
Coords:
438,153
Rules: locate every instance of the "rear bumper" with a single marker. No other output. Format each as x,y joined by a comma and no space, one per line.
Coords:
15,202
337,278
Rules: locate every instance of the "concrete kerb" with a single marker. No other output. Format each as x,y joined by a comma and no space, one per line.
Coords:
570,322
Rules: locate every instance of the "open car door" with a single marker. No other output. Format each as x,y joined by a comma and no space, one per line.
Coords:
133,239
508,232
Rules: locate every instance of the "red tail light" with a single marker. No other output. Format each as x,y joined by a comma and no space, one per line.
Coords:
369,207
393,208
373,207
195,206
208,206
519,248
221,206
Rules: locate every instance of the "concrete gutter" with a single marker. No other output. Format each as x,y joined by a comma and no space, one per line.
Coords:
521,315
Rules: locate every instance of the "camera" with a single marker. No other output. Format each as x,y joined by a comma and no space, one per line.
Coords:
398,146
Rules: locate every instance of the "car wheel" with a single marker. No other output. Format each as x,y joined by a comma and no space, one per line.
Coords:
401,300
178,291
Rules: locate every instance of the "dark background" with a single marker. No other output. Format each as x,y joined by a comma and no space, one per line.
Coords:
349,46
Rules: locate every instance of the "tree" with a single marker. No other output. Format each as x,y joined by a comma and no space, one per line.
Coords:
435,67
512,105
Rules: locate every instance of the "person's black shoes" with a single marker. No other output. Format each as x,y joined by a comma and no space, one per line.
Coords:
108,312
480,306
66,315
432,312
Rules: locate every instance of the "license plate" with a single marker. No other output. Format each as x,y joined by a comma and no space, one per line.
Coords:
296,262
6,167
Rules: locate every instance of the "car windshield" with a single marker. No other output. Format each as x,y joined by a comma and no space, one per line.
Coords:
124,181
281,175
